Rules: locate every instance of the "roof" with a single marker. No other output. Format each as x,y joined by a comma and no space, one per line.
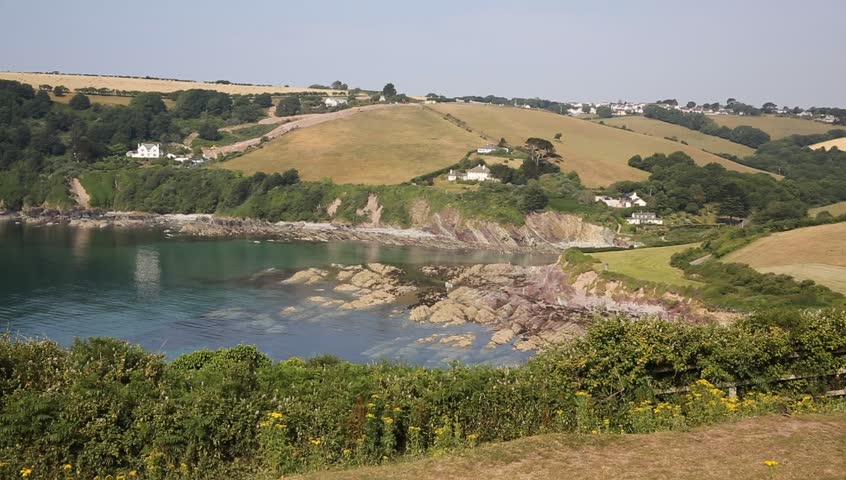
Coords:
479,169
148,145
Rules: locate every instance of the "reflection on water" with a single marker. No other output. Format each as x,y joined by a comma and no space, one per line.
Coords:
147,273
179,295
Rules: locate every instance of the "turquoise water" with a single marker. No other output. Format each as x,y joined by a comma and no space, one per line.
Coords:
175,295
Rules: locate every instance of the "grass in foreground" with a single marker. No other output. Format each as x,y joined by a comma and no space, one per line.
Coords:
650,264
777,127
599,154
814,253
659,129
805,446
387,146
232,136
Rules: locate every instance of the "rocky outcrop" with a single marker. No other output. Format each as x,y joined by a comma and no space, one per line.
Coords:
459,341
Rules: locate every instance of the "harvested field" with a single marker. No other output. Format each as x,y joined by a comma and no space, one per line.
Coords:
840,143
777,127
811,253
835,209
379,146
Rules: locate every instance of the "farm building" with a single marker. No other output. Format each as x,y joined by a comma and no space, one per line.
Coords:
146,150
334,102
490,148
627,200
644,218
479,173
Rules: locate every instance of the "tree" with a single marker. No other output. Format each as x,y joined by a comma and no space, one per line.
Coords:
60,90
80,102
288,106
502,143
263,100
730,101
338,85
539,148
586,108
389,91
691,104
533,199
558,136
604,111
208,131
769,107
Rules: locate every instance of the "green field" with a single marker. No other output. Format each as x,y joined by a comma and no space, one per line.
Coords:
811,253
386,146
694,138
777,127
834,209
805,446
650,264
599,154
237,135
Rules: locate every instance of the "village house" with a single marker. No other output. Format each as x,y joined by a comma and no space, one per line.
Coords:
644,218
628,200
334,101
479,173
146,150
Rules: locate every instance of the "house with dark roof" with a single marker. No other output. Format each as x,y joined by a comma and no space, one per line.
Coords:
146,150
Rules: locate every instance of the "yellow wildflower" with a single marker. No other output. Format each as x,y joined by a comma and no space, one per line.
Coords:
133,473
183,467
388,420
3,464
347,452
25,472
412,428
375,395
281,425
120,476
276,415
397,409
472,436
67,467
315,441
384,457
371,405
606,422
370,415
265,424
770,463
594,431
582,393
559,412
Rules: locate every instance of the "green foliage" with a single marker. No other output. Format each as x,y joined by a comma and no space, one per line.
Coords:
288,105
208,131
108,408
743,134
604,111
80,102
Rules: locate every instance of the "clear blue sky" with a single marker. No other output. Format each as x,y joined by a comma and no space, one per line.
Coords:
789,52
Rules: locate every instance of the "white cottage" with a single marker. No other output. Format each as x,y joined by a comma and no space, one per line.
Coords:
334,101
644,218
628,200
146,150
479,173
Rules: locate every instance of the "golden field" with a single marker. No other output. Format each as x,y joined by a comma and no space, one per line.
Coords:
777,127
599,154
834,209
694,138
75,82
814,253
385,146
840,143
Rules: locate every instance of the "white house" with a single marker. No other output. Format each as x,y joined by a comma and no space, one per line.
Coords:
334,101
628,200
490,148
146,150
644,218
479,173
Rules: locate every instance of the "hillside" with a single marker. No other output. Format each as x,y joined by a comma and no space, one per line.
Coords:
650,264
75,82
599,154
834,209
837,142
777,127
804,447
386,146
815,253
694,138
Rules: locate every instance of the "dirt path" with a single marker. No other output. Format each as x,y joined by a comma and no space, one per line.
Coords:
79,194
301,121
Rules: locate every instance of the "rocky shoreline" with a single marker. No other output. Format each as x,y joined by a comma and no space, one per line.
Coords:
528,307
206,225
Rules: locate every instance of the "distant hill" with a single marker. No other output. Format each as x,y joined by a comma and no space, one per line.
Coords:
694,138
598,153
75,82
777,127
815,253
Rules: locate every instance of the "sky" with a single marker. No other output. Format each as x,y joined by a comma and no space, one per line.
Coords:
787,52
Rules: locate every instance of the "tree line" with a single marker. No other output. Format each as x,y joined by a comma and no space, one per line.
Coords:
742,134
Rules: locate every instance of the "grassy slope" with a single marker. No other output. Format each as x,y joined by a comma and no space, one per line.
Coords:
834,209
777,127
598,153
229,137
806,446
657,128
650,264
74,82
837,142
386,146
816,253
